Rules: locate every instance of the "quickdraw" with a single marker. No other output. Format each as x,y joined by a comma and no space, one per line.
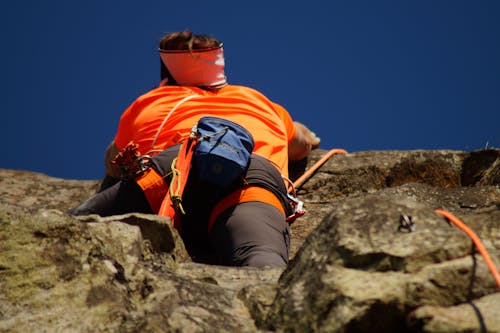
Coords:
298,209
131,162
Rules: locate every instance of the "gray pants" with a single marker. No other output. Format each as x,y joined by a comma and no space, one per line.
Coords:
251,234
248,234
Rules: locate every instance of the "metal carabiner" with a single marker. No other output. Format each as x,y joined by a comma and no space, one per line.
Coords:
298,205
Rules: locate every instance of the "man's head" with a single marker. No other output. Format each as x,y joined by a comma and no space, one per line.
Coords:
192,60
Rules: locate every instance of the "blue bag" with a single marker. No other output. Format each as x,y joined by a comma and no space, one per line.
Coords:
223,151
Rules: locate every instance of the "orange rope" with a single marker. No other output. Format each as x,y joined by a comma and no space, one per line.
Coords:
302,179
475,239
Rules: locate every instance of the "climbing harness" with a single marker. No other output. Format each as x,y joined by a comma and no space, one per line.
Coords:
219,151
181,165
154,187
245,194
475,239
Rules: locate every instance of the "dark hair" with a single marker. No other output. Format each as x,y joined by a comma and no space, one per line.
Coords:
184,40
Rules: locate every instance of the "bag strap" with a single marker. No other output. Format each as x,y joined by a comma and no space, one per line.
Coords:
182,101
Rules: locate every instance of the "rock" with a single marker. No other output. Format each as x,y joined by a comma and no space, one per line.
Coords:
358,263
353,267
33,191
477,316
156,230
482,167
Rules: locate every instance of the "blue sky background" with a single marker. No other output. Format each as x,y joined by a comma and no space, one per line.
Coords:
365,75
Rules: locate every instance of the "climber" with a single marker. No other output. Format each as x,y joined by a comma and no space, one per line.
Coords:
247,228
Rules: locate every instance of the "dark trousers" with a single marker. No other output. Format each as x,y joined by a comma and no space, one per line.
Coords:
248,234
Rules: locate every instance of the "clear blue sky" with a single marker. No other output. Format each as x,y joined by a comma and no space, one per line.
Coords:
365,75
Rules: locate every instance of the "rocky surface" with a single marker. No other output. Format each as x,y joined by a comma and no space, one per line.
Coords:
353,268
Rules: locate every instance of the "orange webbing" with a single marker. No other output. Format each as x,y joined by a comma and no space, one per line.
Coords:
172,201
246,194
475,239
154,187
301,180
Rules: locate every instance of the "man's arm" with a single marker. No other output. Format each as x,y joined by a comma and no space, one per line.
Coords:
303,142
111,169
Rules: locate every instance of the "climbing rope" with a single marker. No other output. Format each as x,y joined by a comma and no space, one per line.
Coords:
307,174
475,239
296,204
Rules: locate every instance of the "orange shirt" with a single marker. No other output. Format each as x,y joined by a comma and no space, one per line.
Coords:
270,124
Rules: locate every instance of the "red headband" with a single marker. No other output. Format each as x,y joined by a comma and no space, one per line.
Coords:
201,68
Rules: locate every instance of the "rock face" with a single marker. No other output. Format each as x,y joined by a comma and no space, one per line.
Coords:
354,267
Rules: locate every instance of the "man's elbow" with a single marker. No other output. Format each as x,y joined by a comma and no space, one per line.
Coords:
303,142
298,151
112,170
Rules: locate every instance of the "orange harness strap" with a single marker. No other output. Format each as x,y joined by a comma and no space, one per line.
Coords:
172,203
154,187
245,194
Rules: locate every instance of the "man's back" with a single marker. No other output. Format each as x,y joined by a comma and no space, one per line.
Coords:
270,124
